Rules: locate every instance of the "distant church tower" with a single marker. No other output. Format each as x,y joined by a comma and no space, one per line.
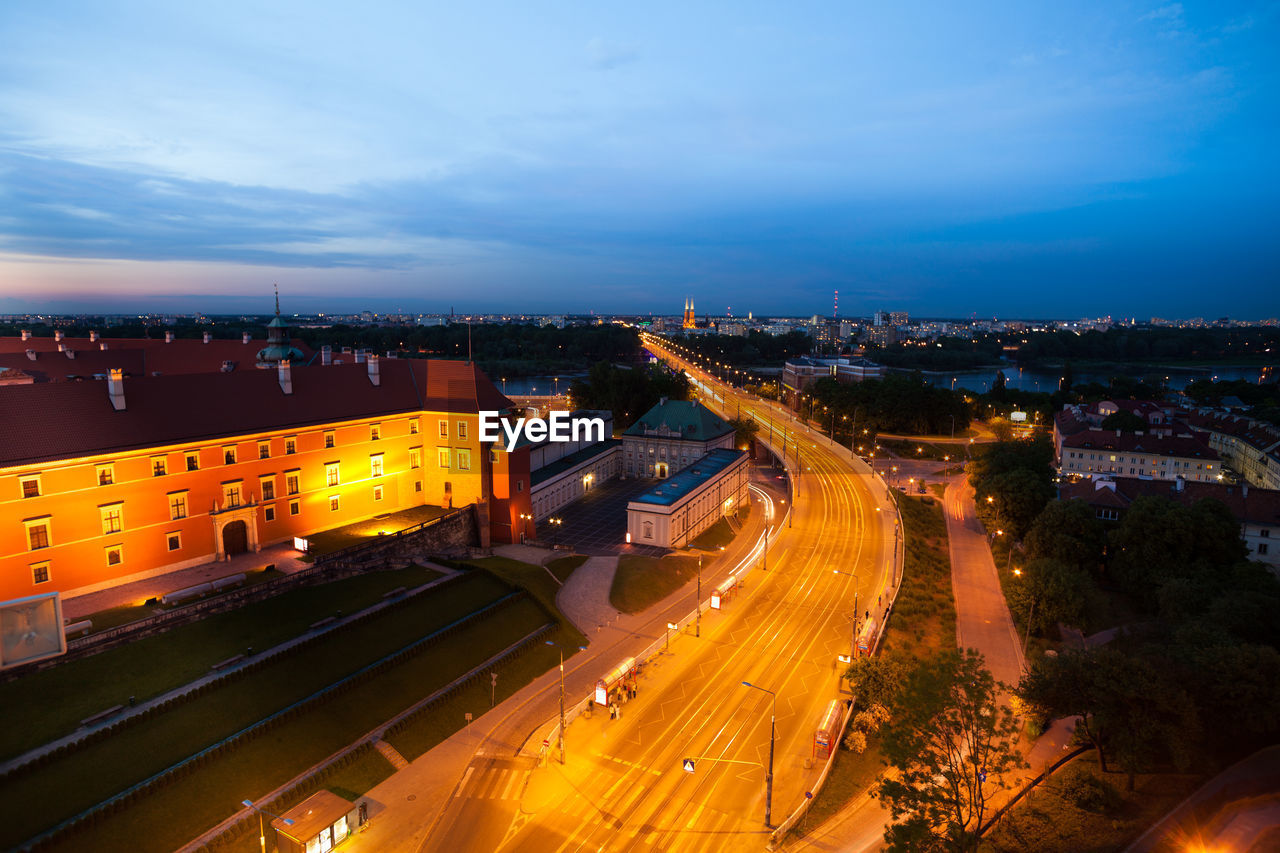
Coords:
690,320
278,348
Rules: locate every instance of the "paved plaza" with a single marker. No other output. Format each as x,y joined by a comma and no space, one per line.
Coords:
596,523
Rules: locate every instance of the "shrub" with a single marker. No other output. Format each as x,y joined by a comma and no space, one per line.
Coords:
1088,792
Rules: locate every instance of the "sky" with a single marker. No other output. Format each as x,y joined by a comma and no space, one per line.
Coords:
1010,159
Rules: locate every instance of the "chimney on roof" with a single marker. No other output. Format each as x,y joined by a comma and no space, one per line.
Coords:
326,355
1117,433
361,355
102,345
31,354
244,339
115,388
70,352
168,337
374,376
1179,484
58,335
93,337
26,334
207,337
285,372
62,347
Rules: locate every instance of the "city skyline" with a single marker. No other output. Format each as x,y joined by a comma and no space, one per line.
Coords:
998,161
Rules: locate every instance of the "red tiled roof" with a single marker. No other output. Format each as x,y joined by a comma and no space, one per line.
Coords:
71,419
1260,506
136,356
1127,442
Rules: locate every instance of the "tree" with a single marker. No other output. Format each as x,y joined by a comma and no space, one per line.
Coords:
1125,422
1018,497
744,430
877,680
951,744
1051,591
1068,531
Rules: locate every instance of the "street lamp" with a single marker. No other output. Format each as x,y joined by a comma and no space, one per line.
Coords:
525,519
560,649
768,776
1026,639
262,832
697,628
853,634
555,527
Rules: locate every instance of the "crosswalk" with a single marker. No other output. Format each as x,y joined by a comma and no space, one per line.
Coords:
494,779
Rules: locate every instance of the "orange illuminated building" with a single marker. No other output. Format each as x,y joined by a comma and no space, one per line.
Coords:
108,482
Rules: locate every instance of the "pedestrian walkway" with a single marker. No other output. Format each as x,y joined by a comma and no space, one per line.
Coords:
584,598
534,554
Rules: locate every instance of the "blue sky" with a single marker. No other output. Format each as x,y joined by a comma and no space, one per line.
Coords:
1007,159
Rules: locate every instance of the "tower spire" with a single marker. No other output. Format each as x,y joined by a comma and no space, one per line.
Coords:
277,287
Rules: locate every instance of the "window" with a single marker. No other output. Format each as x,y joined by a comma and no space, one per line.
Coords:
331,476
333,503
268,485
177,505
31,487
112,518
229,455
442,456
415,457
1265,533
37,534
291,480
39,572
231,494
193,461
417,485
375,465
375,432
377,492
174,541
295,507
1108,514
462,429
493,457
264,450
413,426
269,513
444,429
1262,548
115,555
328,438
106,475
648,530
464,460
519,485
290,445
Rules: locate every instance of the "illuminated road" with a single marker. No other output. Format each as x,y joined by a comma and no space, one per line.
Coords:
623,787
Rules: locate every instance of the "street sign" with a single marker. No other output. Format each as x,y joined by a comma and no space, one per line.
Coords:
493,679
546,742
468,716
688,765
808,795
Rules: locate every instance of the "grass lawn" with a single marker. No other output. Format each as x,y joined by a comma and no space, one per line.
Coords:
641,582
40,797
527,576
45,705
923,621
214,791
922,449
114,617
924,618
714,537
328,541
1048,822
562,567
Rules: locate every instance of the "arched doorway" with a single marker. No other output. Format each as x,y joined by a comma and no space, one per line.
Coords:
662,470
235,538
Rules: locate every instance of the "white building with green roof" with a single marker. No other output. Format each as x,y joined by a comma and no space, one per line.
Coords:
672,436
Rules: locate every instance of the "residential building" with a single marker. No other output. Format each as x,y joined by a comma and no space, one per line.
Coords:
1095,452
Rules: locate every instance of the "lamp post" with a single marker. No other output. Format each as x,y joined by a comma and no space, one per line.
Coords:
671,626
560,649
853,634
555,523
697,625
525,519
1026,639
768,776
262,832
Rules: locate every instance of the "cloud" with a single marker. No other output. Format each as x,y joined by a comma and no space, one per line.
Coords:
607,55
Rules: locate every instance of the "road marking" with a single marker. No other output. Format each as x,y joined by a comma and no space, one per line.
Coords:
465,777
515,779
